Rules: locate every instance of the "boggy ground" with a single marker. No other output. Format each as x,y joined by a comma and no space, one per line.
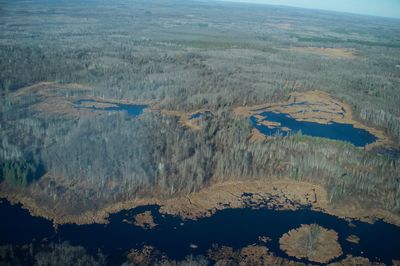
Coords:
280,194
145,220
311,242
58,99
312,106
185,118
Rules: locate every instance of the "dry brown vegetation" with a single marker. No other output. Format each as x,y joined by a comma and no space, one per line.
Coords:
98,164
250,255
312,242
203,57
287,194
185,118
319,107
341,53
353,261
279,194
142,256
218,255
145,220
230,195
52,98
260,255
353,239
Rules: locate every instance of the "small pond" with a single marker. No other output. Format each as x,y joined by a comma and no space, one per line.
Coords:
201,115
133,110
236,228
337,131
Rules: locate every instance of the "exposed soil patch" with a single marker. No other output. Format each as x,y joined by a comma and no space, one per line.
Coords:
311,242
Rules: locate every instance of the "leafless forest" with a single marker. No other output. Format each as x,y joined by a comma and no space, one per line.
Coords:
184,56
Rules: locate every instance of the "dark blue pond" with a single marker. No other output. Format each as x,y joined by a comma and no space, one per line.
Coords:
231,227
132,109
337,131
198,115
17,226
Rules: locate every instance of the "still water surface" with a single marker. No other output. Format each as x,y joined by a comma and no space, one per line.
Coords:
236,228
337,131
133,110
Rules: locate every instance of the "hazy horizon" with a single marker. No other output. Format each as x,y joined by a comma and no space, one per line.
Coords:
381,8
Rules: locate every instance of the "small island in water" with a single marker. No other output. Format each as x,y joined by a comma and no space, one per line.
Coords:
197,133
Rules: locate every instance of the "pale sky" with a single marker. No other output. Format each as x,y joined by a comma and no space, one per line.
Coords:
383,8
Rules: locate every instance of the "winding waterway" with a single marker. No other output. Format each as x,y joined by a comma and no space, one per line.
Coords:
236,228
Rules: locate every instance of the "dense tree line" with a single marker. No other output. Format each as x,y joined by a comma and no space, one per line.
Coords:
184,65
108,158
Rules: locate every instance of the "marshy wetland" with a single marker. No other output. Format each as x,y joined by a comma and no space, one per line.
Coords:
175,238
133,110
285,124
313,113
259,221
179,132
